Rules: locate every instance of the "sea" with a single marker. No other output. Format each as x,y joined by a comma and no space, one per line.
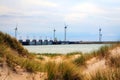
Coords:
63,49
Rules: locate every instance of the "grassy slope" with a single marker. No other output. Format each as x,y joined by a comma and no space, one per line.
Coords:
13,53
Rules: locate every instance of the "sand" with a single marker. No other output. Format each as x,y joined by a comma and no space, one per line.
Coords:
7,74
93,65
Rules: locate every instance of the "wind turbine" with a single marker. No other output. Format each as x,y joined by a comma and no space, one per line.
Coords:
65,32
16,31
100,34
54,34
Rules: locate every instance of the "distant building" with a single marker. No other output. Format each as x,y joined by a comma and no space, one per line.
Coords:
45,42
33,42
28,40
39,42
50,42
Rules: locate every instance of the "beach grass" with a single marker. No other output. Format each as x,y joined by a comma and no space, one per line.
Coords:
25,63
111,74
13,53
80,60
114,61
62,71
74,53
11,42
50,54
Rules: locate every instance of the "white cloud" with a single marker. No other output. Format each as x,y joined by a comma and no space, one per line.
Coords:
75,17
88,8
113,14
79,15
5,9
39,3
82,11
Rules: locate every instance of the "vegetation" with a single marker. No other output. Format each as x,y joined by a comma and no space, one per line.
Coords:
62,71
11,42
101,53
113,71
12,52
73,53
29,65
106,75
40,57
80,60
114,61
50,54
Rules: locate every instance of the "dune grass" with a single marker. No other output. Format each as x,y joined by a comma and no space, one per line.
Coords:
40,57
101,53
113,70
70,71
57,71
50,54
73,53
111,74
11,42
28,64
79,61
13,53
114,61
62,71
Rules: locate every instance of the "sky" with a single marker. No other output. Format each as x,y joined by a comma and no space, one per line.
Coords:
38,18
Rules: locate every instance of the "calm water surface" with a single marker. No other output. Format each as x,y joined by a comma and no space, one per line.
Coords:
63,48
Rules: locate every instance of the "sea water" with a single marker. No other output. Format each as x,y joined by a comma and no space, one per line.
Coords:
63,49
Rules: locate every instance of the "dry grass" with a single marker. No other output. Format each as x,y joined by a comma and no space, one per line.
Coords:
12,52
111,74
62,71
25,63
7,40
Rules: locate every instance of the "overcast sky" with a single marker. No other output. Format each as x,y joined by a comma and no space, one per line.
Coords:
38,18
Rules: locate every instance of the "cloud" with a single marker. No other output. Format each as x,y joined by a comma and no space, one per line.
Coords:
39,3
75,17
88,8
5,10
82,11
83,17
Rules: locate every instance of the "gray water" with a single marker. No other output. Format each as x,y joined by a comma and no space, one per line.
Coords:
63,49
